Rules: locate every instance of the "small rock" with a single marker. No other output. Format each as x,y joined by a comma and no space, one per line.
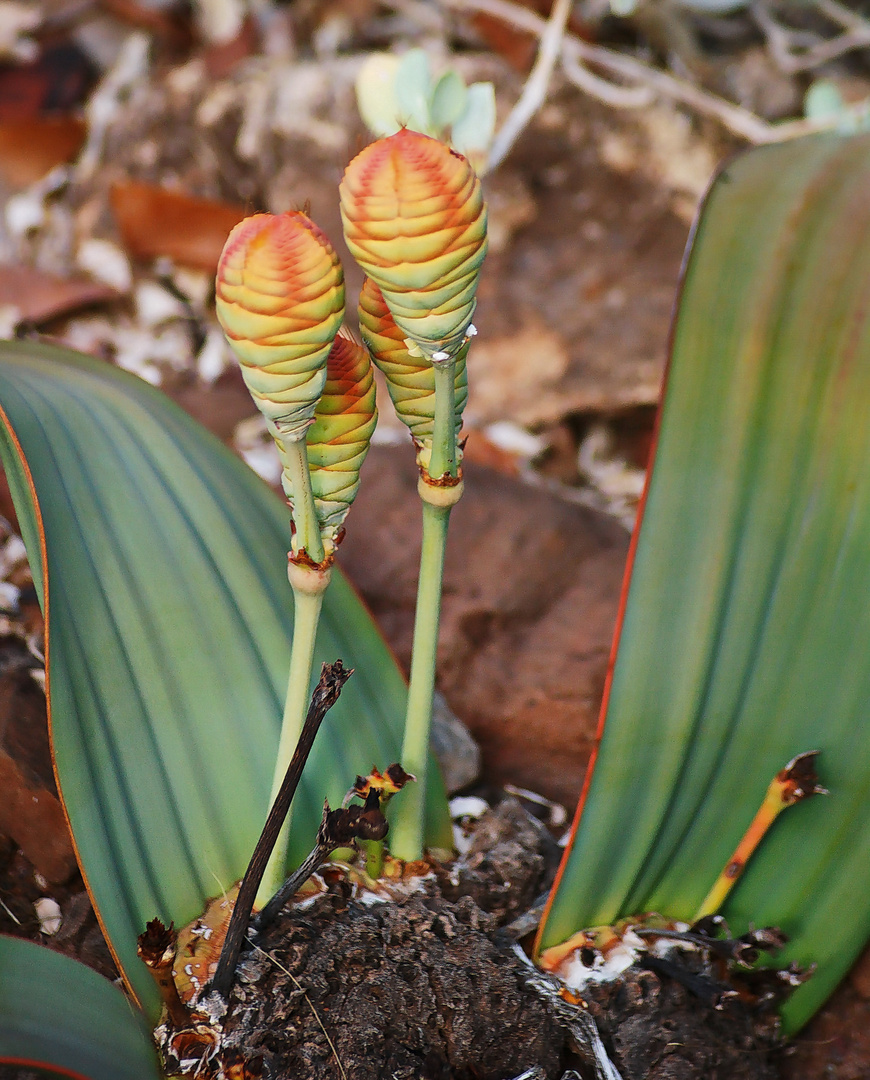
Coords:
457,752
48,913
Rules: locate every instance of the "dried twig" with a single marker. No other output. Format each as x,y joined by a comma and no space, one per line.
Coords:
791,58
332,679
639,75
535,90
843,16
339,828
618,97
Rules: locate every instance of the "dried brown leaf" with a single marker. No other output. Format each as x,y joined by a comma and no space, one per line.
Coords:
189,230
38,296
29,148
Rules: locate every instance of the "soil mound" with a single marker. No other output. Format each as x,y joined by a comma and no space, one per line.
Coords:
431,985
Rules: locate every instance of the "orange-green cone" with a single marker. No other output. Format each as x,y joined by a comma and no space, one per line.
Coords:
415,220
339,438
280,301
410,379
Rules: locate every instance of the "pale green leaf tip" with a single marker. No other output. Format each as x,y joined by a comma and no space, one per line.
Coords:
375,95
473,132
412,87
823,101
449,100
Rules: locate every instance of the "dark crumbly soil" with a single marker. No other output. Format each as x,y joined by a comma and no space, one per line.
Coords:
429,987
411,990
657,1030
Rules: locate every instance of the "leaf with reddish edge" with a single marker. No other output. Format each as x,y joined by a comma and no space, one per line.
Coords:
58,1015
743,639
169,619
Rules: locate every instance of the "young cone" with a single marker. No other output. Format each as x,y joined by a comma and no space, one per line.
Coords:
415,220
280,301
410,379
339,438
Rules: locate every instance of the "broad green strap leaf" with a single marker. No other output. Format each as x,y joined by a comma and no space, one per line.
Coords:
746,635
57,1014
169,626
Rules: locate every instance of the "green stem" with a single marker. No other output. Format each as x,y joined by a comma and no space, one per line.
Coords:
307,605
307,535
443,460
408,833
406,839
374,850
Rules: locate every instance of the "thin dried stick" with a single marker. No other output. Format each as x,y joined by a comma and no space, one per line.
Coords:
332,679
738,121
535,90
791,60
843,16
618,97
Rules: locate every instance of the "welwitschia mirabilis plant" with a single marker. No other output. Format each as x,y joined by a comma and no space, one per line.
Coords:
280,300
745,636
415,220
160,558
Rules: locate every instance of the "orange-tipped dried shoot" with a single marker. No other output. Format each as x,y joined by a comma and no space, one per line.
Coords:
796,782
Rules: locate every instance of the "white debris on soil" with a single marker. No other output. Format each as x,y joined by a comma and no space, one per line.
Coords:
468,806
607,965
515,440
464,810
107,102
48,913
29,209
142,351
618,484
16,22
105,262
9,595
14,577
576,974
155,305
215,356
387,891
